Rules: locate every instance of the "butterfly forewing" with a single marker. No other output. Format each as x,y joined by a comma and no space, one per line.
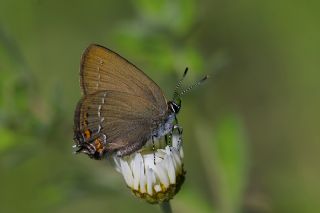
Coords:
103,69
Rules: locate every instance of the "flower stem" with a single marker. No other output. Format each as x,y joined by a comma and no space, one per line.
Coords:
166,207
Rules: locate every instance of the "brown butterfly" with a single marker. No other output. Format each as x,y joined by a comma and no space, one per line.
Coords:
121,108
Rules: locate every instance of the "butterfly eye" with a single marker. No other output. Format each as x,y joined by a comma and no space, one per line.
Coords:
174,107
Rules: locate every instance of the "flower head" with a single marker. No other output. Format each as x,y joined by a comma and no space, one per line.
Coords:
154,174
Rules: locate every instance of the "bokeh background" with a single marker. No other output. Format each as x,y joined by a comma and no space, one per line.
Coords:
251,132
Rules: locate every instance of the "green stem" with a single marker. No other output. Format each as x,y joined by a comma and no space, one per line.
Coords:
166,207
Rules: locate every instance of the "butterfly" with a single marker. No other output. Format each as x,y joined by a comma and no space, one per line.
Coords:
121,108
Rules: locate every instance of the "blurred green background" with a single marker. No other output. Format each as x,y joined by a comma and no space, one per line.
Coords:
251,132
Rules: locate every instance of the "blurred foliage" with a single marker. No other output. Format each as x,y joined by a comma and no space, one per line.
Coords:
251,132
227,154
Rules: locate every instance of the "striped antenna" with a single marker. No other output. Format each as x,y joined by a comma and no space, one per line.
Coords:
193,86
175,93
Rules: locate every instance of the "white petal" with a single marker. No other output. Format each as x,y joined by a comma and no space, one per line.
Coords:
148,160
170,170
173,160
176,141
149,181
117,164
153,177
137,162
177,159
126,172
143,180
162,174
181,153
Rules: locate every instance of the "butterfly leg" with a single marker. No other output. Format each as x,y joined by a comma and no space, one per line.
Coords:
178,128
167,139
176,120
170,140
153,150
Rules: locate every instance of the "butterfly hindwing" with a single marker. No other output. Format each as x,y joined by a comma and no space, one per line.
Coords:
121,119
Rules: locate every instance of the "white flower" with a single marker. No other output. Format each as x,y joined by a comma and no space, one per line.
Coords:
155,176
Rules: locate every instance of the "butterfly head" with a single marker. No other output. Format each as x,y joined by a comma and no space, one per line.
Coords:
174,106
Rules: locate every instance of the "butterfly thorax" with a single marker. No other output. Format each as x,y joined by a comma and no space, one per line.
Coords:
164,127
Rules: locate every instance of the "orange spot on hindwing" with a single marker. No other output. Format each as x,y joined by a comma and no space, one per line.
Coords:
99,145
87,133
